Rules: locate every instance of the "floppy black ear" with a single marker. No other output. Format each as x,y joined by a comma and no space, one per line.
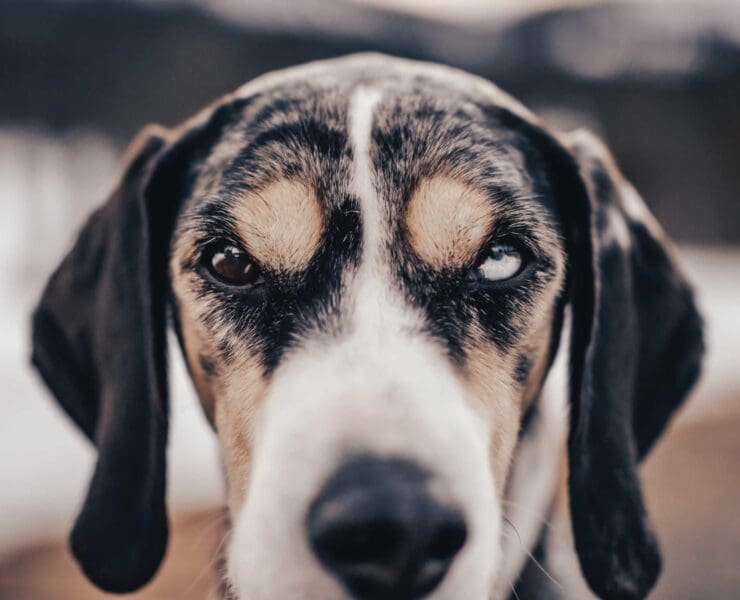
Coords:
99,344
636,349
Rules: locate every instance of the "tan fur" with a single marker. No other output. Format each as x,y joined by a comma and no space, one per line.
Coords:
539,367
447,221
242,389
230,398
232,395
280,225
195,347
489,375
142,138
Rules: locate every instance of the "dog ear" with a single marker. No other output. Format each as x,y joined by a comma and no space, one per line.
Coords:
99,342
636,347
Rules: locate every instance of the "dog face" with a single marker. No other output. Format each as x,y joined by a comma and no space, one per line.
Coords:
385,241
367,263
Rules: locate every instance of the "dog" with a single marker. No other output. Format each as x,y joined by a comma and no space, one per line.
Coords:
368,263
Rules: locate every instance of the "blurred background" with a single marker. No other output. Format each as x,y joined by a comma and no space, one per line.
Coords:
659,80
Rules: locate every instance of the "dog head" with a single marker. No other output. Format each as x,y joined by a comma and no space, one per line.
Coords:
367,262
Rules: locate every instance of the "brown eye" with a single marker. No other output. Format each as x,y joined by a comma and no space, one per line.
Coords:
232,266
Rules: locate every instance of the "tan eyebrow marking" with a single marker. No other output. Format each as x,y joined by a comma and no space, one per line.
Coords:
447,221
281,224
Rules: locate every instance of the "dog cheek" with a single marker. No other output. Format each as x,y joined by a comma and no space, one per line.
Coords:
201,364
490,376
242,390
536,358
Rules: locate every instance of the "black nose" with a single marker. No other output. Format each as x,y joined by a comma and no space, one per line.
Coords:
376,527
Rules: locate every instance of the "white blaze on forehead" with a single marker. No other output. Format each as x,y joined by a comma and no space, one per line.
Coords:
376,306
361,107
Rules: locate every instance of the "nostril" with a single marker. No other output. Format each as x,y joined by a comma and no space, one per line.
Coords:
448,539
372,541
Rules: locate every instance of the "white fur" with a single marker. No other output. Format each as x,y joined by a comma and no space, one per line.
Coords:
361,123
382,387
534,476
617,230
637,211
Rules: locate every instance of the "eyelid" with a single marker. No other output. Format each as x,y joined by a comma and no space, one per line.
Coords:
521,244
207,245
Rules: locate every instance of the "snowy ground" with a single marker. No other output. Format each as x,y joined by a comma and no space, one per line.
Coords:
47,186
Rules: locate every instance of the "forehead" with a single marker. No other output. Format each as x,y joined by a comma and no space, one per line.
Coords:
327,173
428,122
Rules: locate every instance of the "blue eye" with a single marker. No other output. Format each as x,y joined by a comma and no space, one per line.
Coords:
502,262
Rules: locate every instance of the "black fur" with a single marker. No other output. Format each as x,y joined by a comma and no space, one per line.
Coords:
208,366
99,342
523,368
99,330
635,352
98,338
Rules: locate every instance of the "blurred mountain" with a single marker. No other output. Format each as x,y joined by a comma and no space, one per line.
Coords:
661,83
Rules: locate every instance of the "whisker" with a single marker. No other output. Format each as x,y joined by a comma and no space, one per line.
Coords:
531,512
531,556
211,563
515,530
217,519
513,591
551,527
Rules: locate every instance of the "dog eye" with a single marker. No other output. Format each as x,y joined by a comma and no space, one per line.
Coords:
502,262
232,266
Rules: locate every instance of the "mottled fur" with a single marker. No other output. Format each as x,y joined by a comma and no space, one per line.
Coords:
367,189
